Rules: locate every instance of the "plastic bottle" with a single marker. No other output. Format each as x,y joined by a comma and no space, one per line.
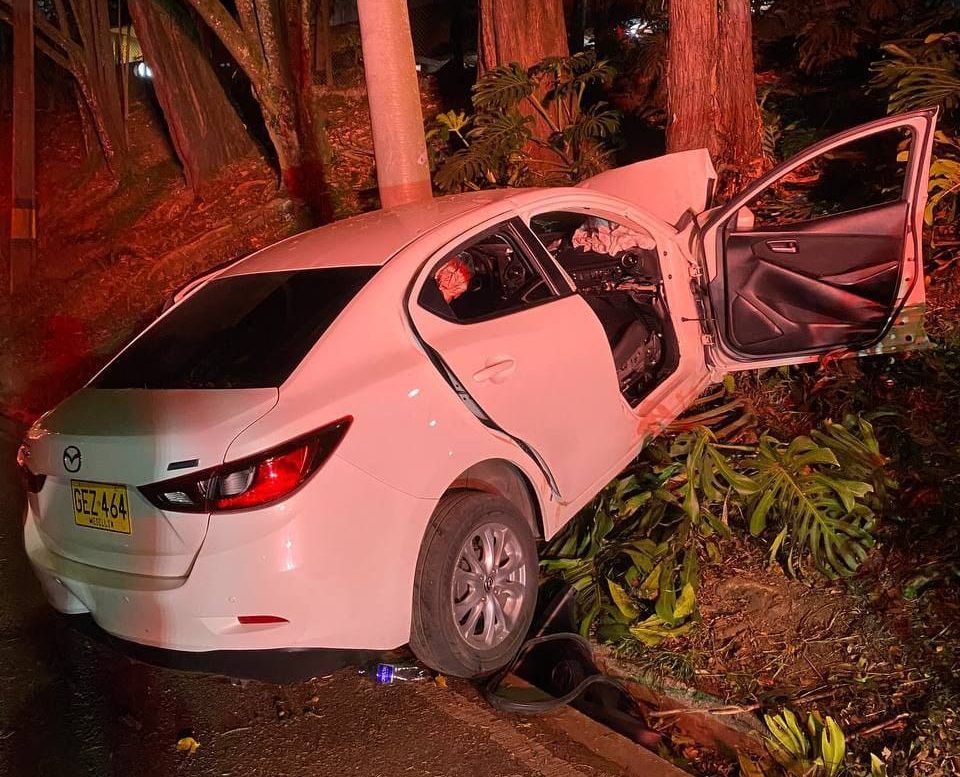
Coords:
386,674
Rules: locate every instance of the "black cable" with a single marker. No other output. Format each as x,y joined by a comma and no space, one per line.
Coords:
504,704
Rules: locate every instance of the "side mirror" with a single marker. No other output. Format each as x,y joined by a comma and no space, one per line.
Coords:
745,220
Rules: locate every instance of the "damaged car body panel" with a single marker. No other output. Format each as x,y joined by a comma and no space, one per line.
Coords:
669,187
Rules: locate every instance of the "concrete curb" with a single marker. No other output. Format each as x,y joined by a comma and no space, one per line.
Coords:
693,713
632,758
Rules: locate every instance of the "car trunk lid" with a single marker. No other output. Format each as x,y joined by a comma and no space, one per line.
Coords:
129,438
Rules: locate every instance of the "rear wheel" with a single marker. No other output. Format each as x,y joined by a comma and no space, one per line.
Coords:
476,585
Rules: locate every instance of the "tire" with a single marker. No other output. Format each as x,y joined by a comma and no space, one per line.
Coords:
470,617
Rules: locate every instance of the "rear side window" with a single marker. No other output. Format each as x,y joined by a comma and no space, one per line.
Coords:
244,331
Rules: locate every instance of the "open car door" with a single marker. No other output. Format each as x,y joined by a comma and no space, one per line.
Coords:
823,254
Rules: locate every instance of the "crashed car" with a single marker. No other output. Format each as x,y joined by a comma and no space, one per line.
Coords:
354,438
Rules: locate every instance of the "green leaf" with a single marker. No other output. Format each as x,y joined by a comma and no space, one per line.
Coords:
877,767
653,630
622,600
650,587
634,503
686,603
502,87
833,747
787,737
758,518
587,619
667,596
824,515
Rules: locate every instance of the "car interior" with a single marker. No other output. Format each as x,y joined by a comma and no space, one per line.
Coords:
616,269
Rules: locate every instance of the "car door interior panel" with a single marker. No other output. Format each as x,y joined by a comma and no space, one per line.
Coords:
825,283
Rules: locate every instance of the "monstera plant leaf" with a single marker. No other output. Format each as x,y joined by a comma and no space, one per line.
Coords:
503,87
855,445
823,515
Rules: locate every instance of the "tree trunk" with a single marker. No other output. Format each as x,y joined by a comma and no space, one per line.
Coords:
393,92
324,44
692,76
523,31
739,125
79,41
308,179
96,75
711,92
206,131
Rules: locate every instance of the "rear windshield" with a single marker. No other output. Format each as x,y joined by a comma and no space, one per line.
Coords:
244,331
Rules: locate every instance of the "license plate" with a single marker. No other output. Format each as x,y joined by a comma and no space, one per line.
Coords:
101,506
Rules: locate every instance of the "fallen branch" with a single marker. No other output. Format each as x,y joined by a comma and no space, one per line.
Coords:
883,724
727,710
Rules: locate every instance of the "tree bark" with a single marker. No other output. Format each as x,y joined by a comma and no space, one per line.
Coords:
393,91
206,131
523,31
692,76
739,124
711,91
96,75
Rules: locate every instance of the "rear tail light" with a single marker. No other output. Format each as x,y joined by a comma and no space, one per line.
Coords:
251,482
33,483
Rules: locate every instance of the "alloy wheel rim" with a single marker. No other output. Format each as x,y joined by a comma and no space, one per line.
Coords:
489,585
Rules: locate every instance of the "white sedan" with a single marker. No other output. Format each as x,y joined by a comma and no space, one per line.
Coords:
355,438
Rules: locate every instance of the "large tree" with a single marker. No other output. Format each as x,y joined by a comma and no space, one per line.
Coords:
206,131
711,92
273,42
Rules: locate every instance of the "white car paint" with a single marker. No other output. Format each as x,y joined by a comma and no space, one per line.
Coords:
336,559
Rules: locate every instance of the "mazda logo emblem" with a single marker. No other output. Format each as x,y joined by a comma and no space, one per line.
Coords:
71,459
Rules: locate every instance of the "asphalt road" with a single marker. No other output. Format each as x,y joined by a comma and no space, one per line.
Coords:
72,703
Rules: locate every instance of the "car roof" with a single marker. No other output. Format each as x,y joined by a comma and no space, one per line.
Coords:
370,238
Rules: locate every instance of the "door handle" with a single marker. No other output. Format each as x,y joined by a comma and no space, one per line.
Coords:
783,246
495,372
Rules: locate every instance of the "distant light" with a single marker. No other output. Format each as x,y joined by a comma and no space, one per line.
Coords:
142,70
637,28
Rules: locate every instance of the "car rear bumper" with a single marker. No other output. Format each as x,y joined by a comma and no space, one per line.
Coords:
337,563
